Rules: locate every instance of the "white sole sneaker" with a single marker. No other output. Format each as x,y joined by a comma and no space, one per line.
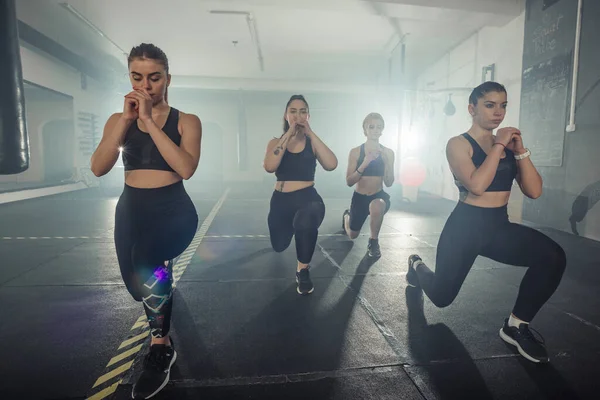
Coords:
161,387
513,342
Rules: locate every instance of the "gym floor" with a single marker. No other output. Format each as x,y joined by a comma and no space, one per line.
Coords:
69,329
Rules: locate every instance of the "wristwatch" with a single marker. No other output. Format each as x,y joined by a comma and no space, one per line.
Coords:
522,156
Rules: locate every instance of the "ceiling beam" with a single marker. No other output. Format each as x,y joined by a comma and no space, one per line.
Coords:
503,7
274,85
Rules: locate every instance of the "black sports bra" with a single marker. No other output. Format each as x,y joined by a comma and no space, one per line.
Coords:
375,168
139,150
505,174
298,166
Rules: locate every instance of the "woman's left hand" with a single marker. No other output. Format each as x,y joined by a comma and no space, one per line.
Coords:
144,103
516,144
386,157
306,127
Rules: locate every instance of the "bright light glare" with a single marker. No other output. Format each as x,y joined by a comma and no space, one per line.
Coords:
411,141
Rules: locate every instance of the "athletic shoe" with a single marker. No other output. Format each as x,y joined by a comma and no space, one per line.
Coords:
373,250
305,285
528,345
411,275
157,369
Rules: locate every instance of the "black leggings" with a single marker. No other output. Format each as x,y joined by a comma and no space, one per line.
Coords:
475,231
360,208
153,226
298,214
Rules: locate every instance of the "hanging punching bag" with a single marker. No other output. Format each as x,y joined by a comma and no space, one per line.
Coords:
14,144
449,108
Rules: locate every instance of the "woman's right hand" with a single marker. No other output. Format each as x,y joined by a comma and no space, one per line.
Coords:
370,157
130,109
293,129
504,136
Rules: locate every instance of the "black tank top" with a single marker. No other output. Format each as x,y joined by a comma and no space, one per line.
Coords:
375,168
505,174
298,166
139,150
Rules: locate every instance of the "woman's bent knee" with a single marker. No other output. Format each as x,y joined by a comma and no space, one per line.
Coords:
353,234
280,245
377,208
442,302
442,299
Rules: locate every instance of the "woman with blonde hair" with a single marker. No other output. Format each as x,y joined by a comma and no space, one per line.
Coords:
370,166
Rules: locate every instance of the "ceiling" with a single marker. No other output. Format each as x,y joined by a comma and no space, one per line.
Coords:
319,41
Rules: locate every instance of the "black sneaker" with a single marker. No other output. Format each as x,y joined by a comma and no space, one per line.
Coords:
346,212
412,279
305,285
373,250
157,369
528,345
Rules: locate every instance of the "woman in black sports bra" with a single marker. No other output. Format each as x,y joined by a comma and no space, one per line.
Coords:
296,209
155,219
484,166
370,166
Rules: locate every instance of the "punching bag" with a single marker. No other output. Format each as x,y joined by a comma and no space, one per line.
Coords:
14,144
449,108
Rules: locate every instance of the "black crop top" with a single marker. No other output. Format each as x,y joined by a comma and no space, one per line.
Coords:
139,150
375,168
505,174
298,166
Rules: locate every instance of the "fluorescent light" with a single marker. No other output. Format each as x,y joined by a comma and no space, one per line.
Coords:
225,12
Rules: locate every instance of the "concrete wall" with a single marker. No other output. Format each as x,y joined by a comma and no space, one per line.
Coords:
572,191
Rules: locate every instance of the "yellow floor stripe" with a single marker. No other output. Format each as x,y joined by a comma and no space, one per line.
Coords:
113,373
142,318
134,339
139,325
124,355
105,392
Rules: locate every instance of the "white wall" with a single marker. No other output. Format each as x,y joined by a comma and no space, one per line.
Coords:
43,70
38,114
335,117
462,68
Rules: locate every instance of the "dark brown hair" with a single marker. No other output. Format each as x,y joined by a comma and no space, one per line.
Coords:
150,52
286,124
484,89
